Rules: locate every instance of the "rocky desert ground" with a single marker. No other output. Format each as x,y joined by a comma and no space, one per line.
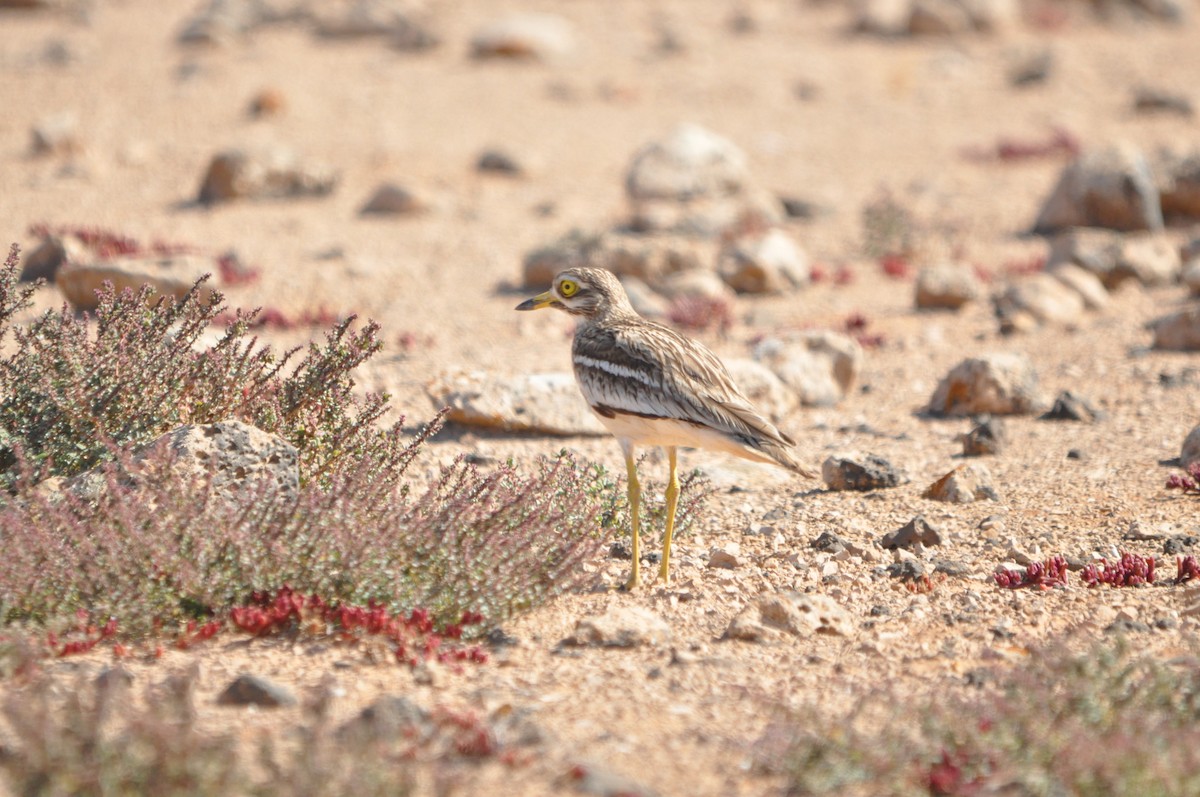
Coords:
846,202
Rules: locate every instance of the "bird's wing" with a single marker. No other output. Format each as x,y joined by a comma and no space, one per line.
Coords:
653,371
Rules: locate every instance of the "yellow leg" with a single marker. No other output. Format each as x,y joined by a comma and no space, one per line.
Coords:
635,499
672,502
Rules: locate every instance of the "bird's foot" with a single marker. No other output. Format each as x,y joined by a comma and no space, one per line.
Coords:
635,581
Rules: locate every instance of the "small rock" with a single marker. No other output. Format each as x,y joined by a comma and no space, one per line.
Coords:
1093,249
174,275
952,568
543,403
1151,260
797,208
860,473
1147,99
44,261
986,438
647,302
794,613
1085,283
221,22
946,287
390,199
113,679
1191,276
56,135
1077,454
963,485
906,570
1113,188
389,717
769,262
728,557
268,102
1031,68
1189,452
821,366
265,173
535,36
699,284
1178,331
914,531
251,690
391,19
1178,173
496,161
1069,407
829,542
652,258
999,383
593,779
1180,544
622,627
1042,299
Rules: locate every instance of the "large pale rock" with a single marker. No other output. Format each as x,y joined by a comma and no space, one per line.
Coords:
232,454
1189,453
999,383
543,403
1112,187
695,182
652,258
622,627
235,454
769,262
263,173
1036,300
792,613
946,287
821,366
689,162
1178,331
765,390
530,35
1083,282
173,276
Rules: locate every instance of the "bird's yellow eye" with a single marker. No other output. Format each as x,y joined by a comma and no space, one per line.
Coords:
568,288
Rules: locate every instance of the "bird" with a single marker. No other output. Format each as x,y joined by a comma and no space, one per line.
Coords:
651,386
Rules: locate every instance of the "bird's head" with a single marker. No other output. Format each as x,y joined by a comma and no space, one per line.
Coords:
588,292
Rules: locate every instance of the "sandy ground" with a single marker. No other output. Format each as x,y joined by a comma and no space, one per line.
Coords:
884,116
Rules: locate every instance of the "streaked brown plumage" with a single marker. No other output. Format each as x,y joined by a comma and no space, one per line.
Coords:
650,385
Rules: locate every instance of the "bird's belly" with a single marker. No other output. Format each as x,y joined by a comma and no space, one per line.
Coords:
671,432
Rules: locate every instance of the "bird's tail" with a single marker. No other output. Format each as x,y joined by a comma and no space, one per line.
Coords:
786,458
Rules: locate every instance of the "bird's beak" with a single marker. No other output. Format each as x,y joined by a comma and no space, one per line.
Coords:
547,299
